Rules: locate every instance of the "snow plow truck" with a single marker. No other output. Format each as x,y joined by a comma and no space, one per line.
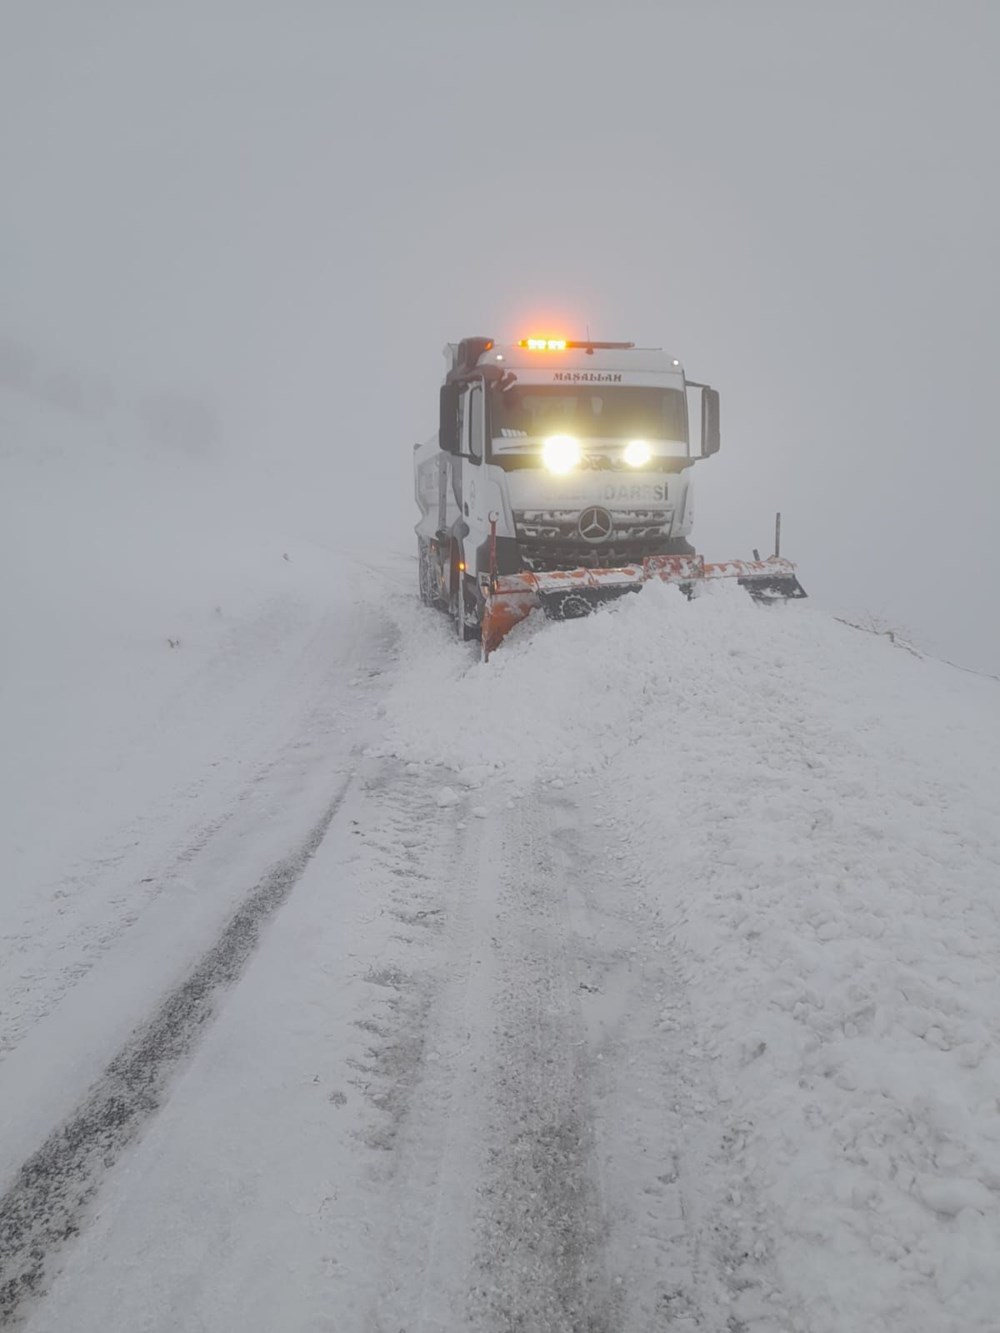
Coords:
560,478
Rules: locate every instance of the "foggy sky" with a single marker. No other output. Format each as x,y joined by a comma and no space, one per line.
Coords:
293,206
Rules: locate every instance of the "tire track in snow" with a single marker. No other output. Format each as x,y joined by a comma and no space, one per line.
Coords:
495,1219
555,1155
541,1261
43,1207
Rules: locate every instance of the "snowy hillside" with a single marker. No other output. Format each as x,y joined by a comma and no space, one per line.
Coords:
646,977
129,571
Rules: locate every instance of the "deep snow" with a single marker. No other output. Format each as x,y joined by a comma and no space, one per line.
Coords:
815,815
647,976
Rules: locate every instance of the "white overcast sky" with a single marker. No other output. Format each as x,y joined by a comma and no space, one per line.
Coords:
294,204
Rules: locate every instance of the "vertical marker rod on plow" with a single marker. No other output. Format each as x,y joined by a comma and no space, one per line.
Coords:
777,533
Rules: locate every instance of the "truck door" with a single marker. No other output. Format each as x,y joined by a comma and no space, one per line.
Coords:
476,500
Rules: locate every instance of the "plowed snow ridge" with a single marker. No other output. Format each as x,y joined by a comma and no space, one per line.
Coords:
815,815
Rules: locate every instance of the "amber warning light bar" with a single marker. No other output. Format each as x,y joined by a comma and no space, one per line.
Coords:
565,344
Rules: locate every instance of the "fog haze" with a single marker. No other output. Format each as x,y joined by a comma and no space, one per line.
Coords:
284,211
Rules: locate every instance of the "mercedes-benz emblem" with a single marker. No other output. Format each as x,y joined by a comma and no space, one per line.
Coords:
595,525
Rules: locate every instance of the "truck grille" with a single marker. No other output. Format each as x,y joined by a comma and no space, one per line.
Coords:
550,538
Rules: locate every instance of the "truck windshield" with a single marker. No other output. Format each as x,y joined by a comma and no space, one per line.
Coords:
609,412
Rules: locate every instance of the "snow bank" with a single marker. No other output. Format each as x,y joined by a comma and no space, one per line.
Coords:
814,813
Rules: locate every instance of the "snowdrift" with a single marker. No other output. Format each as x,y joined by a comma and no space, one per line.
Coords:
815,814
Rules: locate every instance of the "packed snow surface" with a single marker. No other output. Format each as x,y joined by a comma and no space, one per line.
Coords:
647,976
815,815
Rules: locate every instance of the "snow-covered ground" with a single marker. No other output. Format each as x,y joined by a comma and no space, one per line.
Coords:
806,820
647,977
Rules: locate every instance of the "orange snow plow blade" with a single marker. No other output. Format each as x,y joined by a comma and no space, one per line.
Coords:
566,594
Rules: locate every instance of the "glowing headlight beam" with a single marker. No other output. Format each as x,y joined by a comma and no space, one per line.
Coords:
637,453
560,453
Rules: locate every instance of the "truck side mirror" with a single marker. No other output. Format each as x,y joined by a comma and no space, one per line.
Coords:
709,422
448,439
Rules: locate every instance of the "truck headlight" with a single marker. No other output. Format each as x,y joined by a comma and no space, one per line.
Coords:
637,453
560,453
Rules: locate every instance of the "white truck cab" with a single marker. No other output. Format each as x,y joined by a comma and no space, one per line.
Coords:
553,454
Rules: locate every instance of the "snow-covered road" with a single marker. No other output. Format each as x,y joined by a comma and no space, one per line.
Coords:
119,965
672,1003
645,978
437,1099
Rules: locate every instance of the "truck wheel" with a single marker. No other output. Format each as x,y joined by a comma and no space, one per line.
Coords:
464,606
424,570
470,622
